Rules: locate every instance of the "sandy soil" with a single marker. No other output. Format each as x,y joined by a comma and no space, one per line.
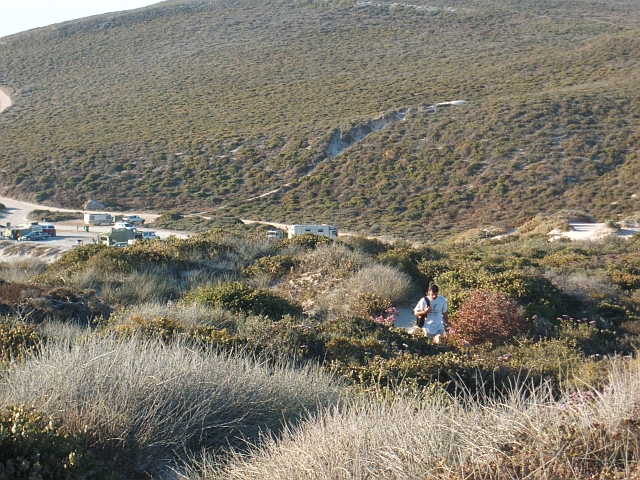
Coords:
592,231
5,101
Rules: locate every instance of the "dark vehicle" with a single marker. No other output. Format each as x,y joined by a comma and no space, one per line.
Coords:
33,236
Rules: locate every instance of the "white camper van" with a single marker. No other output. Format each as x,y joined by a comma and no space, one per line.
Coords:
98,219
324,230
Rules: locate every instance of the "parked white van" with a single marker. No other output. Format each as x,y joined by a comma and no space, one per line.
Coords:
98,219
127,225
149,235
323,230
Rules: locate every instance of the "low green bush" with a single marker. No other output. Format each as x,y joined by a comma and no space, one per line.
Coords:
238,297
168,329
34,447
308,241
50,216
16,339
276,266
365,245
288,338
193,223
416,371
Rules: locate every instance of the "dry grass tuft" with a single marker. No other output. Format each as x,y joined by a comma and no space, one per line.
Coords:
143,401
529,434
382,281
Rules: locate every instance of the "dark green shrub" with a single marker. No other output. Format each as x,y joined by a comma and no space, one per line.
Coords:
277,266
353,351
418,371
241,298
168,329
288,338
33,447
109,259
371,305
457,278
132,258
365,245
308,241
488,317
584,335
168,217
625,273
49,216
16,338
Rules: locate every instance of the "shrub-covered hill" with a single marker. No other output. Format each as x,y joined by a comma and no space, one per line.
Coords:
198,105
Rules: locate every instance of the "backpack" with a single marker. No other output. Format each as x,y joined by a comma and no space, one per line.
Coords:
420,318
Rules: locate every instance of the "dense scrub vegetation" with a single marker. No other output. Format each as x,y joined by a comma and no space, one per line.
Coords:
193,106
176,351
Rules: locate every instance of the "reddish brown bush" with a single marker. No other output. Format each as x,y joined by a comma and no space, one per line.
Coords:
488,317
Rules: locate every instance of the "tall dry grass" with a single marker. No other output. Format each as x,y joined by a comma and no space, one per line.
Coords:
383,281
21,270
527,435
142,402
151,284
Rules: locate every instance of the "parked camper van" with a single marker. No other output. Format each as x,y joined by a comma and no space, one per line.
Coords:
323,230
49,229
98,219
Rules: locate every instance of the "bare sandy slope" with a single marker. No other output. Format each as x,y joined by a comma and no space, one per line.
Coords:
592,231
5,101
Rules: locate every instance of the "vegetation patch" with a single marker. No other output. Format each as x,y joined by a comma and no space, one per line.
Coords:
53,216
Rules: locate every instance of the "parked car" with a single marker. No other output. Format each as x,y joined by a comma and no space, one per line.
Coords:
148,235
127,225
119,244
33,236
135,219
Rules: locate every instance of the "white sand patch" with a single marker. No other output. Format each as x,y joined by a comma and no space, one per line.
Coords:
453,102
592,231
5,101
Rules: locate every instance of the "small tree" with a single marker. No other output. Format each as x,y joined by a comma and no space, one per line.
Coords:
488,317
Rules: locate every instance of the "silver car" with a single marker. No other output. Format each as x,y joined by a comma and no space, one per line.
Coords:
33,236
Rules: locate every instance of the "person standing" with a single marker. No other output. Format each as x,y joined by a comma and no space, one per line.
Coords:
437,314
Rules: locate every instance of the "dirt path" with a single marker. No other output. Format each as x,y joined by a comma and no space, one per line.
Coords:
5,101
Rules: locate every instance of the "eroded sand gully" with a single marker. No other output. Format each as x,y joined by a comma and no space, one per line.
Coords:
5,101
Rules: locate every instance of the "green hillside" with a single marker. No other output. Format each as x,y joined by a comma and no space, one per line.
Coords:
192,106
